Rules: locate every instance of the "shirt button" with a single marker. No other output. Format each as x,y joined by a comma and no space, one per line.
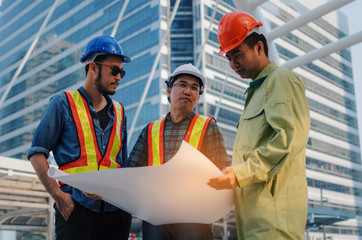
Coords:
103,134
104,147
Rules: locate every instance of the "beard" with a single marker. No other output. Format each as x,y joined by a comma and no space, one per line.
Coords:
100,86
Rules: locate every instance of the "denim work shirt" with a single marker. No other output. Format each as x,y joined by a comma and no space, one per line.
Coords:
57,132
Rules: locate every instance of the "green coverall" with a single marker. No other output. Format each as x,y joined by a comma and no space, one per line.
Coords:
269,158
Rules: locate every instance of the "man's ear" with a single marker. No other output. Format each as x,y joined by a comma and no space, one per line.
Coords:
169,94
92,67
260,46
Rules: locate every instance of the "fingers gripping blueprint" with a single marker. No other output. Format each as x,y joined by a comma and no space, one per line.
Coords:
175,192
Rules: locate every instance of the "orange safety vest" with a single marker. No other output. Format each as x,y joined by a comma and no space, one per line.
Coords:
90,158
194,136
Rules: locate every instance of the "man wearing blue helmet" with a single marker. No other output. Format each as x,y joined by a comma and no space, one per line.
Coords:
86,131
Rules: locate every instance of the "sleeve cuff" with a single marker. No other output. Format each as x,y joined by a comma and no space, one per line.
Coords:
241,177
34,150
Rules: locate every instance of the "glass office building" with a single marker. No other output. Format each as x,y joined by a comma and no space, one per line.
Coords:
156,48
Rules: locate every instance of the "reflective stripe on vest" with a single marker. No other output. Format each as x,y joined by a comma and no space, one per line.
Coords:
194,136
90,158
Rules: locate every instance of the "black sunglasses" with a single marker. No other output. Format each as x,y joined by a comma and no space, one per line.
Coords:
115,70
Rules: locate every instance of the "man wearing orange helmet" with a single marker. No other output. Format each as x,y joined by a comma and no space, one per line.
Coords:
268,164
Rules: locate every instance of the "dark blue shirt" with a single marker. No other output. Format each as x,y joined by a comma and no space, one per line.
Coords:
57,133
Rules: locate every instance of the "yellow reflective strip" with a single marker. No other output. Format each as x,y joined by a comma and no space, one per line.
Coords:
196,131
90,147
105,168
156,128
118,136
76,170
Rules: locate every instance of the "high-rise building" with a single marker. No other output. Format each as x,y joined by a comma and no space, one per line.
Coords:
39,57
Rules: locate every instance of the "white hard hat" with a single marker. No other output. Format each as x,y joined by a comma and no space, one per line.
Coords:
188,69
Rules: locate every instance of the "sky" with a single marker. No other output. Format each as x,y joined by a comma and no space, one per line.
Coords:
353,12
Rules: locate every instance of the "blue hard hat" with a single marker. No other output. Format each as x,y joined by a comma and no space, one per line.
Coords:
101,46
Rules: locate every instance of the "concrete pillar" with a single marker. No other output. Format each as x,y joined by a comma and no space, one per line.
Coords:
7,234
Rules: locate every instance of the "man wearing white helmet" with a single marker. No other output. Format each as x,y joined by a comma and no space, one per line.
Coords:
184,87
86,131
268,165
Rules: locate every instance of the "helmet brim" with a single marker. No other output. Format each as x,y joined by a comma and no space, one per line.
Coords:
88,59
125,59
221,53
192,73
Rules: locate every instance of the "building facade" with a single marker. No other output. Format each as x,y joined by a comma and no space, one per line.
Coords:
157,40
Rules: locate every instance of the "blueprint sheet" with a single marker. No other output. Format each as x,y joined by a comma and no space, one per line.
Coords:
175,192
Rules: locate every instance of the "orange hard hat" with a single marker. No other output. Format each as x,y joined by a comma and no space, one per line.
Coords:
234,27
